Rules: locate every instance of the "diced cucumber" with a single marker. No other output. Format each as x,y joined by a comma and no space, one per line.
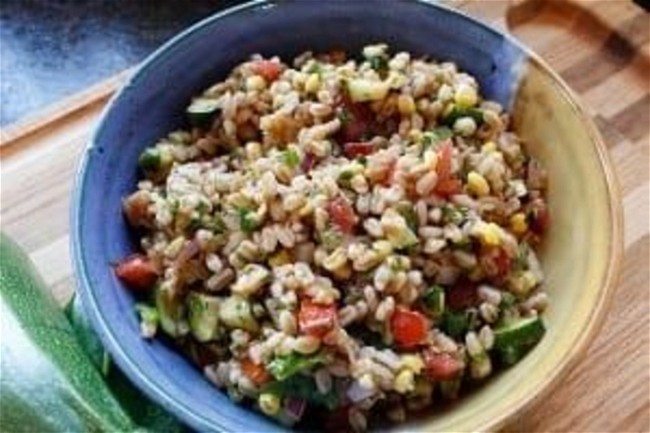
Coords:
514,341
202,111
236,312
150,159
434,299
203,312
171,311
455,324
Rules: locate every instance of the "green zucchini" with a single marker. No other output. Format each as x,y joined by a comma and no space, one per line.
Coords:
202,111
171,311
142,411
203,316
48,383
236,312
434,300
514,341
455,324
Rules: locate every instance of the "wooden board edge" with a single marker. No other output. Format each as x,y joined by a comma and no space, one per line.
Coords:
61,109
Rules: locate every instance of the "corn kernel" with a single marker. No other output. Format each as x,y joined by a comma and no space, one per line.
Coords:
404,382
269,403
413,363
477,184
488,147
255,82
518,223
312,85
465,95
281,258
406,105
489,234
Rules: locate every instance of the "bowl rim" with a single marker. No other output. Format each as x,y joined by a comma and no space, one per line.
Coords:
196,420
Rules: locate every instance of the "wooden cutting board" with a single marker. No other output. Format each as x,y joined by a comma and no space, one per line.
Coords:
601,48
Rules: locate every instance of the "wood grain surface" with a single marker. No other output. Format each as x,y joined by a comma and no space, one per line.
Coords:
602,50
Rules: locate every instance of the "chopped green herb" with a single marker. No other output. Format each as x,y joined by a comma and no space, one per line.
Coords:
362,160
303,387
452,214
458,112
408,213
436,136
344,178
521,259
291,158
247,220
283,367
315,68
344,116
203,206
331,238
379,64
147,313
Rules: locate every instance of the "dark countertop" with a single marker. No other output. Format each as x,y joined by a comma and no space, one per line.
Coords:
50,49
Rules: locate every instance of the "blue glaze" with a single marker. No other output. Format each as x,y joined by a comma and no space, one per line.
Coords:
152,104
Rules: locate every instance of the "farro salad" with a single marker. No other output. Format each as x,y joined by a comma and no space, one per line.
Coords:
341,239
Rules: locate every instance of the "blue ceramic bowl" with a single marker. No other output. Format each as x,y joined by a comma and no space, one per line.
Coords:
152,103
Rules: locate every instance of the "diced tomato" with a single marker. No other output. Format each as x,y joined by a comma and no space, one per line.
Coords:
538,216
268,69
409,328
315,319
441,366
255,372
308,162
342,214
462,295
389,175
358,148
445,154
496,263
137,271
447,187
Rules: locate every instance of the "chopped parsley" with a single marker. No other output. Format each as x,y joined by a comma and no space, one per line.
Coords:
435,136
291,158
247,220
